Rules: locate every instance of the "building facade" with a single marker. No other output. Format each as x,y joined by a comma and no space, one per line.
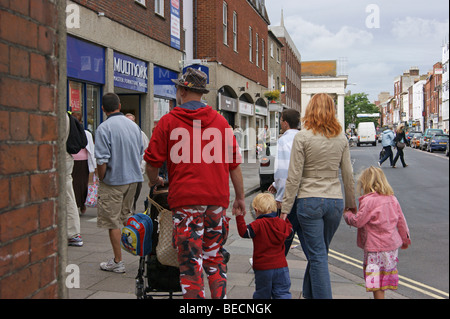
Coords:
321,77
291,68
275,83
400,112
131,48
445,87
229,42
418,105
433,98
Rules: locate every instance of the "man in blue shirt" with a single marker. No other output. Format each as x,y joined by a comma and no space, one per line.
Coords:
118,150
387,141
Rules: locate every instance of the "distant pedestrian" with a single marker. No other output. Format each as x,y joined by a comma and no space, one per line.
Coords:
201,154
387,142
118,150
382,229
269,234
289,121
84,164
319,151
75,140
400,144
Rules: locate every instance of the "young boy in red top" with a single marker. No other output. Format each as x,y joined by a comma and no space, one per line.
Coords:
269,232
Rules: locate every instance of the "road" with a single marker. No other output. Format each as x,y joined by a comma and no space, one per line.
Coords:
423,192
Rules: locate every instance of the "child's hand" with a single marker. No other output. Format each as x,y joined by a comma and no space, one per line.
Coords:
350,210
405,246
238,212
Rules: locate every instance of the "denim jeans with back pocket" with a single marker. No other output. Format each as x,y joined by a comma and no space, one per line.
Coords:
319,219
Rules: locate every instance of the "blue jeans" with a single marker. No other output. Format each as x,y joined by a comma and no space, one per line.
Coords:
319,219
292,217
387,155
272,283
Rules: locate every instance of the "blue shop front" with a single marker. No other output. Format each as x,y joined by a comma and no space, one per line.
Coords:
131,84
85,80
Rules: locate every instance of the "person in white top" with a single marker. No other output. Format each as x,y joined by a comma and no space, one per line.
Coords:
290,119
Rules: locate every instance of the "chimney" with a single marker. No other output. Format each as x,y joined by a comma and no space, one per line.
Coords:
414,71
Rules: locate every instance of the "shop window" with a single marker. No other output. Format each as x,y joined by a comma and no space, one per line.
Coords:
85,99
161,107
75,96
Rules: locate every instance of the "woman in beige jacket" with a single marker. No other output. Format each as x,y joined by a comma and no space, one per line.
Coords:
319,150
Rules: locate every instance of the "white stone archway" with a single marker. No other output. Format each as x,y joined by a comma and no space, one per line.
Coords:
334,86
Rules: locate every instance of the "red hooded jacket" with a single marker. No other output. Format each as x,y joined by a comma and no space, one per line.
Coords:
200,150
269,232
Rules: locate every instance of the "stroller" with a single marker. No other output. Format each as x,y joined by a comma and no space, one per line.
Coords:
155,279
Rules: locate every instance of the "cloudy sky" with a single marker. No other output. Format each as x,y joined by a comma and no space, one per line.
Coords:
379,39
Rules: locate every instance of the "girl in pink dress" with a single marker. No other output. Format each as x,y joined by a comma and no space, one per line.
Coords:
382,229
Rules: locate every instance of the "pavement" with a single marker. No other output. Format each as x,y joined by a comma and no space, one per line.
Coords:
97,284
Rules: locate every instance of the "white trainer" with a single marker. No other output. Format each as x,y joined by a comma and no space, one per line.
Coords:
111,265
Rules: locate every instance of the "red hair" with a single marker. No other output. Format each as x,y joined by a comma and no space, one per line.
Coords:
320,116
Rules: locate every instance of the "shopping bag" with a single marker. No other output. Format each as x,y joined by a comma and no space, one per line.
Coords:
91,198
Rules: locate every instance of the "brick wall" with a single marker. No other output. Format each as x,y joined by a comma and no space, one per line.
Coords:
210,44
137,17
28,149
291,71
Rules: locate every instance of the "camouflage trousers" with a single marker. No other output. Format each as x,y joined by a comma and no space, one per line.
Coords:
199,234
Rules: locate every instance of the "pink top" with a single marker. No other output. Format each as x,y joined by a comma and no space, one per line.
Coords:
81,155
380,222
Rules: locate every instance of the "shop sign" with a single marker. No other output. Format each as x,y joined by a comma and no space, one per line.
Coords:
199,67
260,110
228,104
130,73
85,61
163,85
75,101
175,33
246,108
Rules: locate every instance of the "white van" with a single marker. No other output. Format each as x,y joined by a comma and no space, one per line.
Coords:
367,133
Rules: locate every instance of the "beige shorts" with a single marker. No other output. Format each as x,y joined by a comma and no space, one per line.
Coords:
114,205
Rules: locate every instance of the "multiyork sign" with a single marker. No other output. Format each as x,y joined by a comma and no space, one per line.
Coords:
130,73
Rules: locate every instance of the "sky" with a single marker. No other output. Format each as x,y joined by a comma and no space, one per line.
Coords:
378,39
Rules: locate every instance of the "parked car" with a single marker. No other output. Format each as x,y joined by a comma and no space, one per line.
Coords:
438,142
446,149
415,140
266,172
409,137
427,136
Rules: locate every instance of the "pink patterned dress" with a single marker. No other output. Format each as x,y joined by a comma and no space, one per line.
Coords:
380,270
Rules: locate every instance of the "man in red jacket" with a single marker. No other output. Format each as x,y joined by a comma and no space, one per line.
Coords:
201,154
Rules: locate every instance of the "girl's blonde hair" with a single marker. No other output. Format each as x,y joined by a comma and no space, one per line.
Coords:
372,179
265,203
320,116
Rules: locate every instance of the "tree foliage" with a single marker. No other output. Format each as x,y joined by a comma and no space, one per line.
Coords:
359,103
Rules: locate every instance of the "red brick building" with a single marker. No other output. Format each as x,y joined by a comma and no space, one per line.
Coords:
234,33
291,69
55,56
230,38
433,98
29,150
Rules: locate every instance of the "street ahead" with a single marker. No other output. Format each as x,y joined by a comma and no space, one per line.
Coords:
423,192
